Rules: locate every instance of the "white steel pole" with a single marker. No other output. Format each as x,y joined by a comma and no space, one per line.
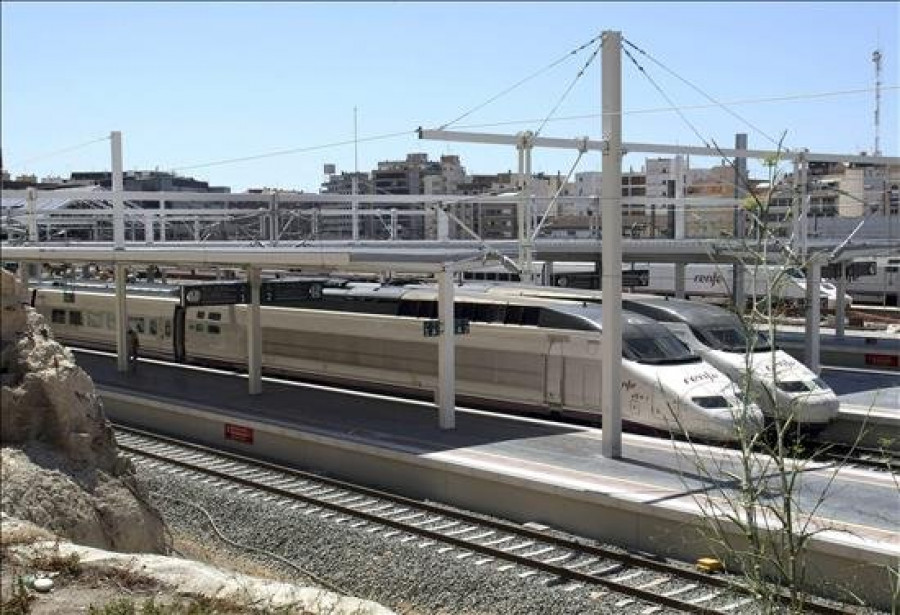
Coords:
520,211
31,202
148,227
354,201
446,392
162,221
680,213
679,280
610,197
121,319
529,210
254,333
117,187
813,315
740,189
443,224
274,220
839,311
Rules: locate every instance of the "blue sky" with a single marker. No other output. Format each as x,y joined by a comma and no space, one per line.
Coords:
192,83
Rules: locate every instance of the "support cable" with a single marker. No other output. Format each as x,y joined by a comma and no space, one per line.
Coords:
553,64
569,89
666,96
553,201
702,92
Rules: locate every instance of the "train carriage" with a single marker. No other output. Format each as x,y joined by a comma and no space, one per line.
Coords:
526,354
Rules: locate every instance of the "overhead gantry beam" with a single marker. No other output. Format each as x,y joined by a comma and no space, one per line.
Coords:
649,148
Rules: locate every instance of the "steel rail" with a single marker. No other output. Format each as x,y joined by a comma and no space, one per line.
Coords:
508,527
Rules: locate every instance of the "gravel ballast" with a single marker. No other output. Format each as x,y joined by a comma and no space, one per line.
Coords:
401,576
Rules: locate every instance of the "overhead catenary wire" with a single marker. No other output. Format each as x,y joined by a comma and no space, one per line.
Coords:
70,148
295,150
533,75
746,101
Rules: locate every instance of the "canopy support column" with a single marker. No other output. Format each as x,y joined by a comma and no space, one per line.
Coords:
813,315
679,280
254,333
446,392
121,319
611,246
839,308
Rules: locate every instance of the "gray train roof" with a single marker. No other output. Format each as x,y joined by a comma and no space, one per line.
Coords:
678,310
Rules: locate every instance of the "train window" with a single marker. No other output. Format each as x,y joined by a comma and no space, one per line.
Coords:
487,312
531,316
167,328
215,316
408,308
214,329
94,319
552,319
513,314
522,315
137,323
75,318
710,401
655,345
463,310
428,309
154,326
58,317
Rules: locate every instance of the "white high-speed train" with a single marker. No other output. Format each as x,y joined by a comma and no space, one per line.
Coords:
711,280
778,382
522,353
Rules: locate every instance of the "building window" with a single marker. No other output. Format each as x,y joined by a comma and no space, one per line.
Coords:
58,317
75,318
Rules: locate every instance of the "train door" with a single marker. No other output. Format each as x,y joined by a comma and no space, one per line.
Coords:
554,374
178,334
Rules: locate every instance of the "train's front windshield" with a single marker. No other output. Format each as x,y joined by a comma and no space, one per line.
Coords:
654,344
731,337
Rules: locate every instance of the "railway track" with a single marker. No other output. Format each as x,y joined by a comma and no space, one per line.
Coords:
860,457
507,547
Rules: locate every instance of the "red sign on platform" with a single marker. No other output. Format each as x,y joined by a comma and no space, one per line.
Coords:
883,360
239,433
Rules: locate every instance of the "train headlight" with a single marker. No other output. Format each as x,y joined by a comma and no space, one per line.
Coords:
711,401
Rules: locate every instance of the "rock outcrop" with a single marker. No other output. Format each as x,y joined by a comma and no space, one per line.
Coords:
61,468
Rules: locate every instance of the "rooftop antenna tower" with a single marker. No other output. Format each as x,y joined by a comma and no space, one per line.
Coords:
876,58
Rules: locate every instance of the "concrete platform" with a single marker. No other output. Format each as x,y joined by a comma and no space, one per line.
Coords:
869,417
525,470
861,349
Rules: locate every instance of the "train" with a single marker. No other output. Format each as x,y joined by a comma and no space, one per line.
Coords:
708,280
878,284
526,354
779,383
